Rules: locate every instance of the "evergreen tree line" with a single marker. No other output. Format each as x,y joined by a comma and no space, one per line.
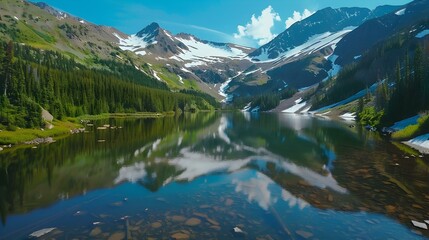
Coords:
410,93
265,102
31,78
401,67
404,96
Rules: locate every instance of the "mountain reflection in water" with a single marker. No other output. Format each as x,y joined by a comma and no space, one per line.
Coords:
276,176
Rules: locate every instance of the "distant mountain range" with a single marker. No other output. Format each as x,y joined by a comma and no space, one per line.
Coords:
308,52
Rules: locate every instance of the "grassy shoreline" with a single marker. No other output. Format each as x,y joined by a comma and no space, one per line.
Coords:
63,128
23,135
124,115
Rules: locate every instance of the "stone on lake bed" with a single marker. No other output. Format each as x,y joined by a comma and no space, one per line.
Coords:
215,227
213,222
177,218
304,234
117,236
117,204
95,232
193,222
229,202
41,232
180,236
419,224
156,225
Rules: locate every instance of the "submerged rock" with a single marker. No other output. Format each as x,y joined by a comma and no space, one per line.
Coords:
304,234
229,202
178,218
180,236
156,225
41,232
193,222
213,222
94,232
117,236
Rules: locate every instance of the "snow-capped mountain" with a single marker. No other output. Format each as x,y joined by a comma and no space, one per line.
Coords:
187,56
324,28
303,54
376,30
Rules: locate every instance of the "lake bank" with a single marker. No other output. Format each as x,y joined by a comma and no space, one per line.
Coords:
25,136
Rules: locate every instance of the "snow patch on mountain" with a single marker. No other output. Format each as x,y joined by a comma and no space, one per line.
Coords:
195,64
132,43
349,116
225,86
198,50
299,104
335,67
185,70
254,71
423,33
155,75
314,43
421,143
400,12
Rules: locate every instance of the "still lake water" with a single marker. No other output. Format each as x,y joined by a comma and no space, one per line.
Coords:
199,176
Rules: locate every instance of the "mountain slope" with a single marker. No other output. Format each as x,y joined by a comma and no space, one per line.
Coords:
181,62
299,56
393,64
41,26
379,29
187,56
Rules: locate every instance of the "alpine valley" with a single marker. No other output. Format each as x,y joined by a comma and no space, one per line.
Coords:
320,132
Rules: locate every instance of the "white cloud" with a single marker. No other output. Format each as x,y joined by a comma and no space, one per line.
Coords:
257,190
297,16
259,28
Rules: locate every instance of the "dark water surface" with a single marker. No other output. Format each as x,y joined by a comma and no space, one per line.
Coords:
199,176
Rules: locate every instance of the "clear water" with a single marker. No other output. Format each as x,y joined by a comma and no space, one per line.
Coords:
199,176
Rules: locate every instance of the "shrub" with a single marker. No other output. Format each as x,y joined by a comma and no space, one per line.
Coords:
369,116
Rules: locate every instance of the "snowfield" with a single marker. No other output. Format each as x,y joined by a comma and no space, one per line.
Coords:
198,50
423,33
299,104
421,143
400,12
314,43
132,43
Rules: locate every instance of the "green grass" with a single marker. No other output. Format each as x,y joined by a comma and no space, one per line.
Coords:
173,80
47,37
29,36
412,131
62,128
190,84
124,115
24,135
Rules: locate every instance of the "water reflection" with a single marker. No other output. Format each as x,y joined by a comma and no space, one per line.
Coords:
280,163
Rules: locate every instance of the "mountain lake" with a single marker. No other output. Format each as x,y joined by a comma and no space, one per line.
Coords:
216,176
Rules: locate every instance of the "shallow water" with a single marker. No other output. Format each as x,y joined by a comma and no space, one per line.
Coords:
199,176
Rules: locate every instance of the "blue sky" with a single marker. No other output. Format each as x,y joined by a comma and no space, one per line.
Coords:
215,20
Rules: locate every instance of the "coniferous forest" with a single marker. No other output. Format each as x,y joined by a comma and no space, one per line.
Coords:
400,70
32,78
